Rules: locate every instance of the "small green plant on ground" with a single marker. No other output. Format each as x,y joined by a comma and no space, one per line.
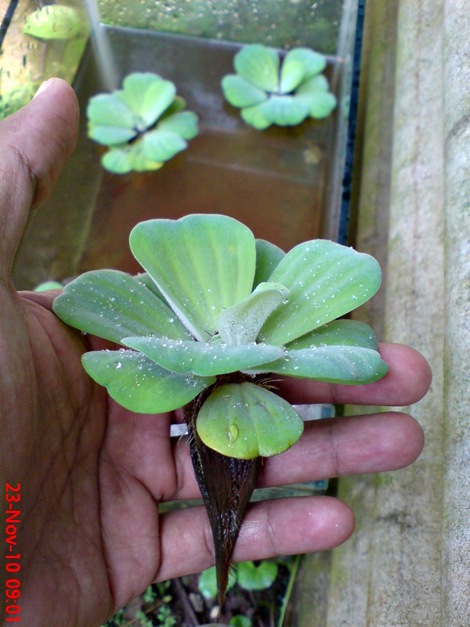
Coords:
270,91
155,609
216,314
48,285
247,575
253,578
143,125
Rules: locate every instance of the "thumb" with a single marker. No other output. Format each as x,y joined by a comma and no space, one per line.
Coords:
34,144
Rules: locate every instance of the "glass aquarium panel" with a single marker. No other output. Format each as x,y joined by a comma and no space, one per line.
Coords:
284,183
280,23
271,180
37,42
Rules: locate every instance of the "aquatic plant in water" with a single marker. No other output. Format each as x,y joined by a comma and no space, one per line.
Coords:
143,124
270,91
214,316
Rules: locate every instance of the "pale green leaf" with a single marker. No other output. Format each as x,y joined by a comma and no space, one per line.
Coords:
313,86
110,135
339,333
117,161
244,420
161,145
241,323
315,94
300,64
258,65
150,284
207,582
239,620
113,305
256,117
349,365
267,258
148,95
325,281
201,358
240,93
129,158
48,285
176,106
285,110
256,577
139,160
322,105
202,264
139,384
107,110
291,76
185,124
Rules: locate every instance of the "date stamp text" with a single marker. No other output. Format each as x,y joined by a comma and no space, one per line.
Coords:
12,563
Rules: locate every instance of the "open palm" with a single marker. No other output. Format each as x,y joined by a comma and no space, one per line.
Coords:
92,474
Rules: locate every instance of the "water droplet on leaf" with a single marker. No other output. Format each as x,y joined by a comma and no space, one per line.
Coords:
233,433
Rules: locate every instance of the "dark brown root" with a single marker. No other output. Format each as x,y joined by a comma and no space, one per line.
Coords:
226,486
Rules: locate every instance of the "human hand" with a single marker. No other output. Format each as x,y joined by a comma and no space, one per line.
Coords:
92,473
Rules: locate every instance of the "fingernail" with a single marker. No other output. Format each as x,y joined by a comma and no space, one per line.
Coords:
43,87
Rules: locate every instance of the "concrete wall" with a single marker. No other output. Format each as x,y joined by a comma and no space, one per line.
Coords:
409,560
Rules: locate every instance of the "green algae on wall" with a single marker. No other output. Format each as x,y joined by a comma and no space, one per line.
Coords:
283,23
28,58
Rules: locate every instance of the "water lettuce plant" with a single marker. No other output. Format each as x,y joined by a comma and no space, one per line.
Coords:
284,92
143,125
215,317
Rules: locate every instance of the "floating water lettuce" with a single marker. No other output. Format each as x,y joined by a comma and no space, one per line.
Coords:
270,91
53,21
143,124
215,314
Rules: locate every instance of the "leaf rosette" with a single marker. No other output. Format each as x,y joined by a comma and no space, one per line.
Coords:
270,91
217,310
143,124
